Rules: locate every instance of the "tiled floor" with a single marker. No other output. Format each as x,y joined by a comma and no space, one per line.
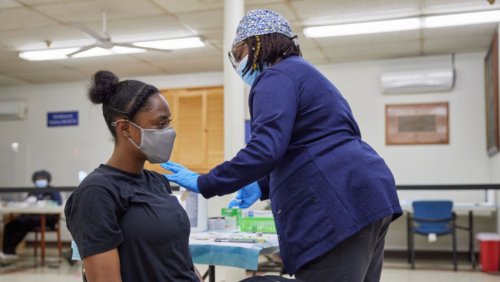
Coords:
58,270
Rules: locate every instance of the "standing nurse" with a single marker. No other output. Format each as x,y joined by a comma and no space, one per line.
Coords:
332,195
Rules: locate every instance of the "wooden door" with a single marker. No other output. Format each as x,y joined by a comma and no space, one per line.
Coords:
198,118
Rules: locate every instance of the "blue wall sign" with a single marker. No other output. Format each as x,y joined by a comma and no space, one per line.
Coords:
62,119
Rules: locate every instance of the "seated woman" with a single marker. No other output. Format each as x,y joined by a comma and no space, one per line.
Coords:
124,219
16,230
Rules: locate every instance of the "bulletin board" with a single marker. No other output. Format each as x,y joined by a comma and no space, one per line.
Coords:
417,124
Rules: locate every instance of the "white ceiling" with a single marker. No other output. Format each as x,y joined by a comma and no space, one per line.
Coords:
28,23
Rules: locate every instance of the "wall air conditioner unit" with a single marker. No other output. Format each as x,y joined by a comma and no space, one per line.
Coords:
417,81
11,110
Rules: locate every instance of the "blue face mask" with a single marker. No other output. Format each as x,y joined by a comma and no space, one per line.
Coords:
42,183
249,77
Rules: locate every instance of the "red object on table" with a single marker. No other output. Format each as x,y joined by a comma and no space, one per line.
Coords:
489,248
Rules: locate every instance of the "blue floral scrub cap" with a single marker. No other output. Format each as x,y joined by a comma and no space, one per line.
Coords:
259,22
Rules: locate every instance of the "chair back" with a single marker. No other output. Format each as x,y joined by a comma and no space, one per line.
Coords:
433,210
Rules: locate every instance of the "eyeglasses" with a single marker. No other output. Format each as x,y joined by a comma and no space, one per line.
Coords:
230,54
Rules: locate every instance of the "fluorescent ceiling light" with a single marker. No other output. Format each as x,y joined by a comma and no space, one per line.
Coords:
462,19
173,44
403,24
95,52
362,28
58,54
42,55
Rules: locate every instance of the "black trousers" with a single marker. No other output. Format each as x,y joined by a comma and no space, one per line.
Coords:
16,230
358,258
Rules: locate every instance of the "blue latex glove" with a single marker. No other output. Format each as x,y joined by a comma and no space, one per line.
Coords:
182,176
247,196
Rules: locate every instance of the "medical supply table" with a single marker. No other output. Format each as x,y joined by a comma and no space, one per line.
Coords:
240,255
459,208
204,250
42,211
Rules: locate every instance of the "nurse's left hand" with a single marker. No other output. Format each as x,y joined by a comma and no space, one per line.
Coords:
247,196
182,176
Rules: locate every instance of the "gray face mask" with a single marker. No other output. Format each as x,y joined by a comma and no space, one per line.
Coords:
156,144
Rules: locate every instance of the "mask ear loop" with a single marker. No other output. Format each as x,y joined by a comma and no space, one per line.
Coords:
114,123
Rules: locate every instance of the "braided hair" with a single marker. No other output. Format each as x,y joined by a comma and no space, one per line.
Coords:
267,48
120,99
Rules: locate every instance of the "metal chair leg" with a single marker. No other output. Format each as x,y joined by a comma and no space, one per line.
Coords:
471,240
408,239
412,246
454,246
36,244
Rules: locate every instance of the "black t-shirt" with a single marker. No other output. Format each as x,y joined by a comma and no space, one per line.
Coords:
137,214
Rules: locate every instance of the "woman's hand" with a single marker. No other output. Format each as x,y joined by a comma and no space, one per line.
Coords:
247,196
182,176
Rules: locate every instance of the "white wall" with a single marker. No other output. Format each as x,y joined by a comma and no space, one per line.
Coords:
464,160
495,160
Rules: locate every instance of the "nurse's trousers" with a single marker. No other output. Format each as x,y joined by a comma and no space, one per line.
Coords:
358,258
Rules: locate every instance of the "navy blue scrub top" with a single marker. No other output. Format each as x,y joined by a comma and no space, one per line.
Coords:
306,152
137,214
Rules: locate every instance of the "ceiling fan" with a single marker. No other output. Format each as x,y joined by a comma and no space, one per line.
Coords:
104,40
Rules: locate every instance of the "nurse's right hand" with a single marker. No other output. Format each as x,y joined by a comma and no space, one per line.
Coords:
182,176
247,196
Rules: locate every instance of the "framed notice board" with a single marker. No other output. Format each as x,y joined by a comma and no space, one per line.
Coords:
417,124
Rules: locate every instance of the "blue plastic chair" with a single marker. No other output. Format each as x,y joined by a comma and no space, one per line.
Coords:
432,217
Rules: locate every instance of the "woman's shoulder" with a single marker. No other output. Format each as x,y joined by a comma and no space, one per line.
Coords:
158,176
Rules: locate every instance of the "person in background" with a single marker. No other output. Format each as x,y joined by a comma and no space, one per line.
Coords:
16,230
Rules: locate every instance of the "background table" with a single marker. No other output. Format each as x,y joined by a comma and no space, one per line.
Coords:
240,255
42,211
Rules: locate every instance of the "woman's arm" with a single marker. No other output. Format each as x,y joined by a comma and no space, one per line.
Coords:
275,103
103,267
198,274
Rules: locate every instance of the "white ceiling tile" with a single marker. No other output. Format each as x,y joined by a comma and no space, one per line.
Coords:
18,38
461,31
214,35
456,44
135,26
127,70
10,81
100,62
179,56
176,6
202,65
92,11
455,6
373,51
279,8
23,65
256,2
332,8
47,76
368,38
5,4
204,19
43,2
8,56
18,18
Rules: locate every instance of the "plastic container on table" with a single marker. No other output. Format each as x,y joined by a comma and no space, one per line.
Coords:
489,251
257,224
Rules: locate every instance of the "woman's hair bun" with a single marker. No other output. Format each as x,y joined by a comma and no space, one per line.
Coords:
102,87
